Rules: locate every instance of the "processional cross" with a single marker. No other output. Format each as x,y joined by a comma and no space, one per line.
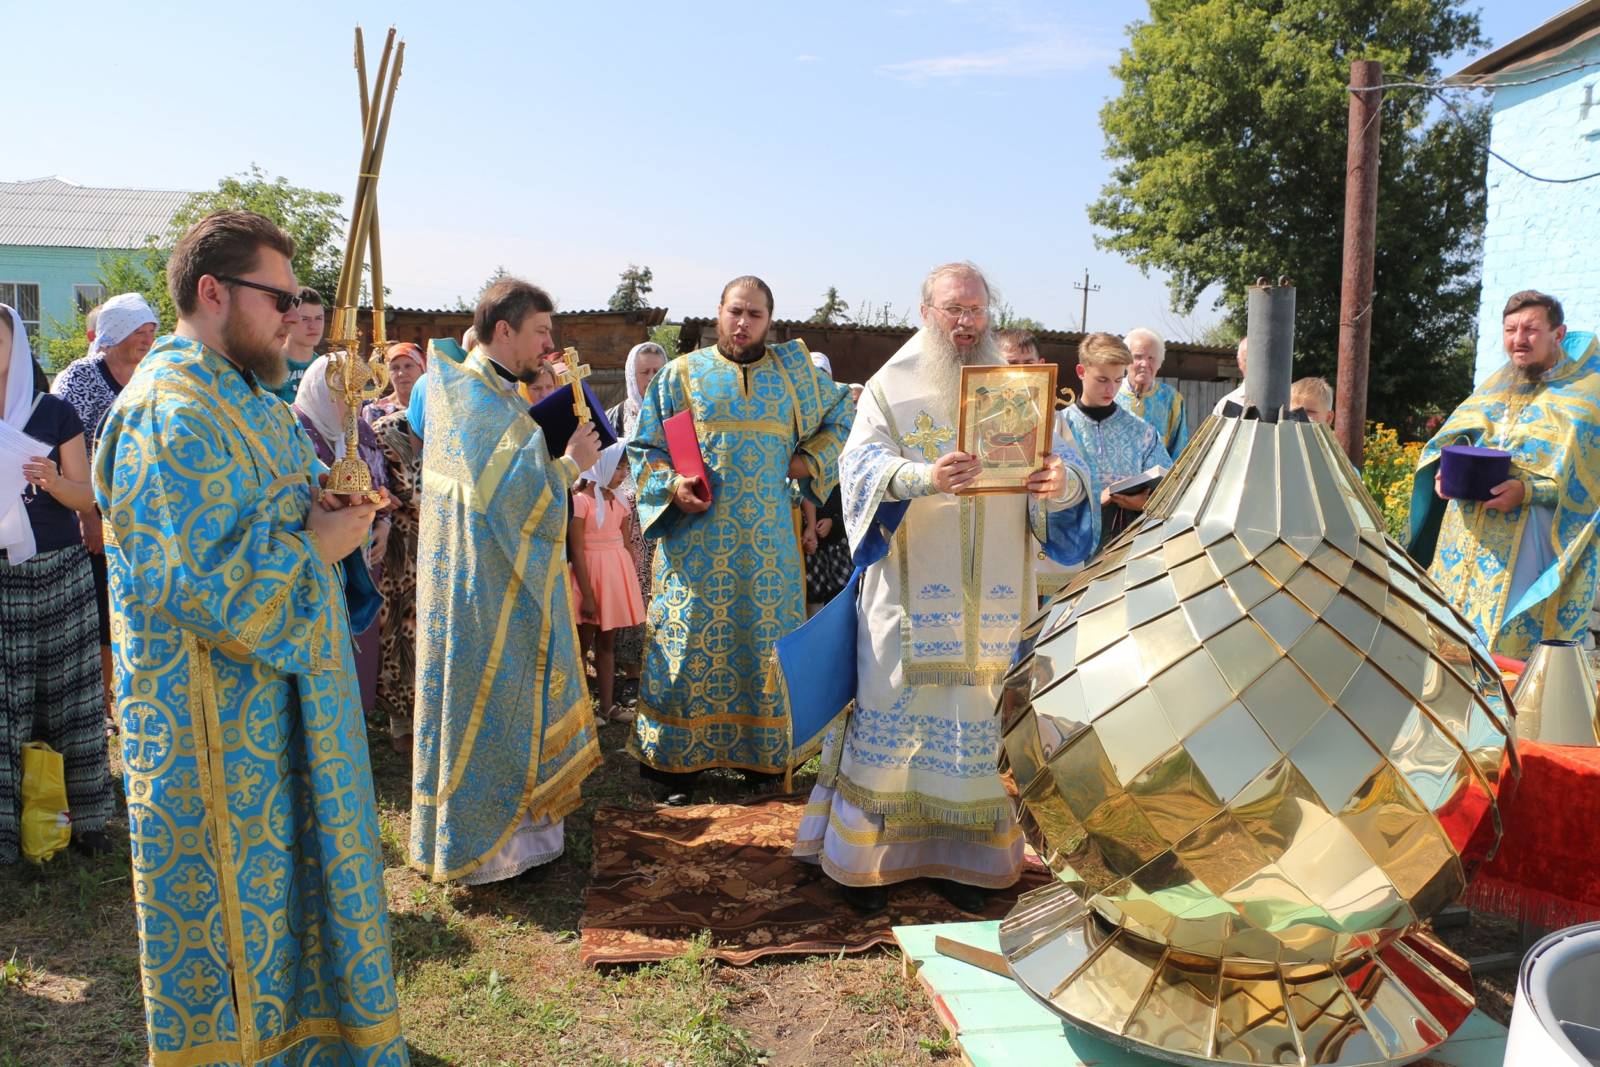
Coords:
576,373
928,437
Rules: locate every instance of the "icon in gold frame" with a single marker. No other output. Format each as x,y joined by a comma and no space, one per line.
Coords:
1007,420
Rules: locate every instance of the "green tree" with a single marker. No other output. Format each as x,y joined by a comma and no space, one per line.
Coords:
1221,334
312,218
633,290
832,310
143,272
870,314
1006,318
498,274
1229,141
666,335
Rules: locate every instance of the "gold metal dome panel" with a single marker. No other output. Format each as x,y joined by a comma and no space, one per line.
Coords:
1256,747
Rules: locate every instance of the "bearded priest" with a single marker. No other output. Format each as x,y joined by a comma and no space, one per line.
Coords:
909,786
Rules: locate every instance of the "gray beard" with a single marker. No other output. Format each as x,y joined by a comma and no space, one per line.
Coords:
942,363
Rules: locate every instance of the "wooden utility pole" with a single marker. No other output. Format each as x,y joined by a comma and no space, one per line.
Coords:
1086,288
1360,244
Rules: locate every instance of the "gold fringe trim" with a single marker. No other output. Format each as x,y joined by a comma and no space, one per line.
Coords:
921,805
901,832
952,675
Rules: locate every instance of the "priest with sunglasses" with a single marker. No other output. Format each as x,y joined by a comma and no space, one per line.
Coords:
257,870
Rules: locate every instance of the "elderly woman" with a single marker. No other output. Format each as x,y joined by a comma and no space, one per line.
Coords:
644,360
321,412
125,328
406,364
1156,402
50,687
397,572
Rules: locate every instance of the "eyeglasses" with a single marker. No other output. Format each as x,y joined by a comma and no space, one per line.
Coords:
286,299
955,312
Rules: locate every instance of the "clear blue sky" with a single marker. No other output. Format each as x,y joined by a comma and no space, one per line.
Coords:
816,144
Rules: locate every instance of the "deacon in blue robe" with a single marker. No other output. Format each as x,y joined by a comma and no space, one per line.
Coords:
728,582
1527,573
257,870
504,730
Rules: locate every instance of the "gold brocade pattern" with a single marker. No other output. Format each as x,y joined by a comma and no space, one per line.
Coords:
728,582
1528,574
503,725
257,874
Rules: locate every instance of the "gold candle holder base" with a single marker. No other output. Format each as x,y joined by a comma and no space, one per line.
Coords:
1386,1004
350,477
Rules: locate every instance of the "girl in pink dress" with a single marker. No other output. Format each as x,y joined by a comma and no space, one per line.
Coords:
602,568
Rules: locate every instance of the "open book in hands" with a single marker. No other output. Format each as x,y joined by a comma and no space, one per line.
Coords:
1135,484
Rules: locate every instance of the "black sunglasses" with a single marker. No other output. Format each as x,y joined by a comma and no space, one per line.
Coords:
286,299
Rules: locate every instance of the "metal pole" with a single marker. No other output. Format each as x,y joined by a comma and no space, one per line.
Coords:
1271,330
1360,243
1083,320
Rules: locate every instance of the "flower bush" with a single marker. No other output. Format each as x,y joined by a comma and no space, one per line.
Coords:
1388,473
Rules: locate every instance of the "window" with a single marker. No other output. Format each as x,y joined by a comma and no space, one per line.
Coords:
24,296
88,296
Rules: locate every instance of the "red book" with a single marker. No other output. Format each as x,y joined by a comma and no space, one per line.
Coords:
684,448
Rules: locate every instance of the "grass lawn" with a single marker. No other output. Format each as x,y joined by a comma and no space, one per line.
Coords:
487,976
490,976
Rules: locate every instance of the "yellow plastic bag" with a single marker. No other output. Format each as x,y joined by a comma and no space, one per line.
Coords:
46,826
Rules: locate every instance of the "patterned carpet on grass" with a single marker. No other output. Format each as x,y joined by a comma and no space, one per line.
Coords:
663,876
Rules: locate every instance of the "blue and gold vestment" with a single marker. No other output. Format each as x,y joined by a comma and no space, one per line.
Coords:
504,731
1525,575
728,582
257,872
1161,407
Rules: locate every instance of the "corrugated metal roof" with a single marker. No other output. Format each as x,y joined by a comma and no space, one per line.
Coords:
59,214
1060,336
1544,42
651,316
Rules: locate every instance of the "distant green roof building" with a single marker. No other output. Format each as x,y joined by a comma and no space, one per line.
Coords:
53,235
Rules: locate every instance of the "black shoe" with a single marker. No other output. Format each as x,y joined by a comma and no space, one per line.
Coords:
967,898
92,842
866,899
672,795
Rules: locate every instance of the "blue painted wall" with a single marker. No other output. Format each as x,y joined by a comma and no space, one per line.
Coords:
1538,235
55,271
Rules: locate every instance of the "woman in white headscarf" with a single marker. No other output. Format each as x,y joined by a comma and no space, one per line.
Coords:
125,328
321,412
644,361
50,687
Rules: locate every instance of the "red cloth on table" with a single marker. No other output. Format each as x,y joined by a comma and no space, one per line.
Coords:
1545,872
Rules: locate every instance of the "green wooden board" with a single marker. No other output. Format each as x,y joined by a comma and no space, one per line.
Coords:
995,1023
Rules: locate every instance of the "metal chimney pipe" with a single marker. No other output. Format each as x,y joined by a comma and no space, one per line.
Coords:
1269,363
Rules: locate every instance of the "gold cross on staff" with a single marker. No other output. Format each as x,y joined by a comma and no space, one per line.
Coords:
928,437
576,373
